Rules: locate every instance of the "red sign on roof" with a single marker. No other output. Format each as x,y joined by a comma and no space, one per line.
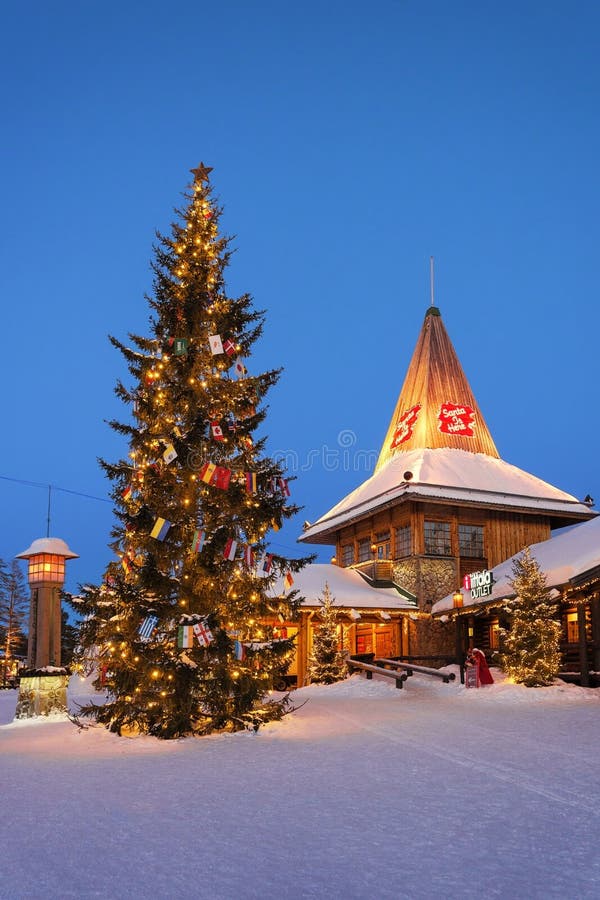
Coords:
458,419
405,426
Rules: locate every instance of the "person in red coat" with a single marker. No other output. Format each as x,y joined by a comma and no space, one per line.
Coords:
485,676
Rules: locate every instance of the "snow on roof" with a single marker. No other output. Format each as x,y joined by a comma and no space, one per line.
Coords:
447,474
561,558
56,546
347,586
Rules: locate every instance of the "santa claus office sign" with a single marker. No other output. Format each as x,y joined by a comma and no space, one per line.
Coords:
456,418
480,584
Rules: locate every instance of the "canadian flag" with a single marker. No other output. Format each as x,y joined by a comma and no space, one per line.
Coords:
217,431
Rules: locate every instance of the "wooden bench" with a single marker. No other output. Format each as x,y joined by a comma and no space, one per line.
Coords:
409,668
368,669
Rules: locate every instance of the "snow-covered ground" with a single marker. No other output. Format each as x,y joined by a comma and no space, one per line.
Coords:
366,791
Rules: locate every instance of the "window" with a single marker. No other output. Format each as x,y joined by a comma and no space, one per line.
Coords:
347,554
572,628
494,635
364,550
402,542
437,539
382,539
470,541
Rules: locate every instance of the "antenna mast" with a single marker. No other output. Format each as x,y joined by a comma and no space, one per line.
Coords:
431,279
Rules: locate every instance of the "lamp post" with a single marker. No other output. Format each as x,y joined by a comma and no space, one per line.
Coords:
43,686
457,603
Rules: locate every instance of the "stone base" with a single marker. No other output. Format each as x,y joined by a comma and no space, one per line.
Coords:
42,695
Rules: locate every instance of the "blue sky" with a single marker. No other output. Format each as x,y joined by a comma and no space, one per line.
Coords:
349,144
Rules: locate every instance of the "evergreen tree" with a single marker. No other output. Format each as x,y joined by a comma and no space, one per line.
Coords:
326,663
69,639
530,648
14,602
183,623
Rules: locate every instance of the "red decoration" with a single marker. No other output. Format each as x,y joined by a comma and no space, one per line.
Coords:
405,426
456,419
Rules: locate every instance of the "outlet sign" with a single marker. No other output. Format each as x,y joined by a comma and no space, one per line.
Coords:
480,584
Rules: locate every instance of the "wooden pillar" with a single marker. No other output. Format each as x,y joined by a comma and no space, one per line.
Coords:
471,632
584,666
458,647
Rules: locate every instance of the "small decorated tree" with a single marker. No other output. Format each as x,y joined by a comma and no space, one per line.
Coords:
326,663
530,648
14,600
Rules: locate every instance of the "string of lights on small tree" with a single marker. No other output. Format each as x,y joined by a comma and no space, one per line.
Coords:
530,646
184,628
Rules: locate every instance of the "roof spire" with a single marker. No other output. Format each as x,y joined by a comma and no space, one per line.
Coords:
436,407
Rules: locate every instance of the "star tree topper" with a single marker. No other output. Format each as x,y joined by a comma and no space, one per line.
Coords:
201,172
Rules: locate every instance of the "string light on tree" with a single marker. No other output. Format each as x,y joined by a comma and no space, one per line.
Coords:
183,519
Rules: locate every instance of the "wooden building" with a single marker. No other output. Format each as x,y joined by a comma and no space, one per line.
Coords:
370,619
441,502
571,564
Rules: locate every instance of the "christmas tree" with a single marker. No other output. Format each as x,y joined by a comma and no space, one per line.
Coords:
14,600
530,649
326,663
184,625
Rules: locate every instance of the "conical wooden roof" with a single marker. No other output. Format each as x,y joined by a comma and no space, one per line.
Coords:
436,407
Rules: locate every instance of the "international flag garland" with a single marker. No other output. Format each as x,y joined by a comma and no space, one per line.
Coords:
230,549
207,471
148,627
239,368
126,493
198,540
185,637
180,346
169,454
251,483
266,564
160,529
229,347
203,633
217,431
215,343
249,556
221,477
288,580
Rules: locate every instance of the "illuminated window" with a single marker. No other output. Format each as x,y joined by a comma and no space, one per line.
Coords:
494,635
402,542
347,554
470,541
437,539
46,567
364,550
572,628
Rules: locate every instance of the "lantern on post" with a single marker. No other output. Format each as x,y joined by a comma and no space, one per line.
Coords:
43,686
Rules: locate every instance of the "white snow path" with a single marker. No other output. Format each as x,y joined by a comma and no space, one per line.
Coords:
428,792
